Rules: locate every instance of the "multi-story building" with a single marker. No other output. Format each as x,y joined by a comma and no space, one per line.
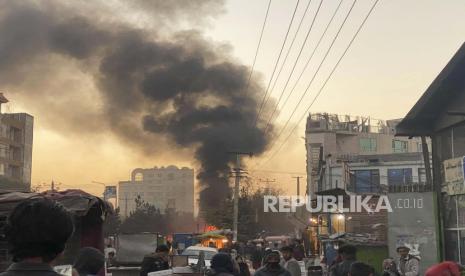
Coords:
360,155
348,156
164,188
16,133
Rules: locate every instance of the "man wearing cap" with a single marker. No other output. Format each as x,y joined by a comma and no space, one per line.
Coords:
407,264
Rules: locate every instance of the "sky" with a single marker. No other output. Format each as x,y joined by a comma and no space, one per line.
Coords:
397,54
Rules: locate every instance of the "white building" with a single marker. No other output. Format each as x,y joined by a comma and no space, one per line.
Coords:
361,155
16,134
164,188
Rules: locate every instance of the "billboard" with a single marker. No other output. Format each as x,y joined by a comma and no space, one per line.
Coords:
413,224
110,192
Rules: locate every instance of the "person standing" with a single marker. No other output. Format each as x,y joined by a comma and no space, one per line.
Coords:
407,264
272,266
361,269
156,261
299,250
257,256
36,233
243,266
89,262
348,255
290,263
222,265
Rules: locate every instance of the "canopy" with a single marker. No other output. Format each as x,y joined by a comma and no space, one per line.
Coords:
76,201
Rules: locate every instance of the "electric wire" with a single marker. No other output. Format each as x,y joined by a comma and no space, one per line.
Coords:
276,64
311,56
294,66
327,79
258,46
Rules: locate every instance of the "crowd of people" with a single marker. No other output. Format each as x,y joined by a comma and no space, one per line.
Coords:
38,229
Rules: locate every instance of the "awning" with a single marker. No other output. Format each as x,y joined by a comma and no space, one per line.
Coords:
443,90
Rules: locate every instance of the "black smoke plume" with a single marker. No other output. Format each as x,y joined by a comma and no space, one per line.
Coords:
151,82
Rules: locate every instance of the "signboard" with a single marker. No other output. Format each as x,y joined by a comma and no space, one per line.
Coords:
454,172
110,192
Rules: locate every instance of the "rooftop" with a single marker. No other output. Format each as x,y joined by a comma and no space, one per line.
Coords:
325,122
445,89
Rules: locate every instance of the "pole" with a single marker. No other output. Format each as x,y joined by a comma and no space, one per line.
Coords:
298,184
267,181
237,180
236,198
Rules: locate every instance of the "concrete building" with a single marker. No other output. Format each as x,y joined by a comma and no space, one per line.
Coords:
360,154
440,115
164,188
16,135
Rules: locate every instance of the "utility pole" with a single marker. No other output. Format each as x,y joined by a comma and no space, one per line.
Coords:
237,180
267,181
298,184
53,186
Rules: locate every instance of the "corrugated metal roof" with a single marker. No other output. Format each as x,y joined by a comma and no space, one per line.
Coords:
444,89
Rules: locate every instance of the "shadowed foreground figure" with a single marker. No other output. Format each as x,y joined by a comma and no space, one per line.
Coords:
361,269
272,266
222,265
89,261
444,269
37,231
156,261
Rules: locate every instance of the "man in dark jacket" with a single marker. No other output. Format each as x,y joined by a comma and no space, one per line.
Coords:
348,253
272,266
156,261
37,231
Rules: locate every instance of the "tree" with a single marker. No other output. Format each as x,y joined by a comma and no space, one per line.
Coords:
112,223
252,220
145,218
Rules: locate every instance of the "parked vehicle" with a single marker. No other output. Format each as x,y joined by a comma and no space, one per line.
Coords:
194,251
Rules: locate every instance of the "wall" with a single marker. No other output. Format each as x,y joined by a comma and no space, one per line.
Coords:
415,227
162,187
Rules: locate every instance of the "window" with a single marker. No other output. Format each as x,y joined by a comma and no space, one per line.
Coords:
368,145
422,175
139,177
399,177
399,146
365,181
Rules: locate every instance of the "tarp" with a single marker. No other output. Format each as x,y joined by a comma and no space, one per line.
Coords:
76,201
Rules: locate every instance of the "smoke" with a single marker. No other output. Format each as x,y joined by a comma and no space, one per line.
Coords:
95,70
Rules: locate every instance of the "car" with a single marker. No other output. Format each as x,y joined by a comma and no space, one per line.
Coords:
194,251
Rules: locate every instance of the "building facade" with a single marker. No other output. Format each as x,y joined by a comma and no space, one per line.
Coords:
360,155
348,156
165,188
16,137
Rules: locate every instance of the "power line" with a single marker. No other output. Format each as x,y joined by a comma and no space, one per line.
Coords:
318,69
276,137
292,44
279,172
313,53
327,79
258,46
295,64
277,62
